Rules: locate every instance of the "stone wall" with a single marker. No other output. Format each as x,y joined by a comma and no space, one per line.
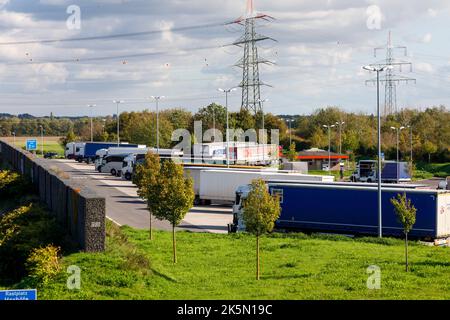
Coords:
77,209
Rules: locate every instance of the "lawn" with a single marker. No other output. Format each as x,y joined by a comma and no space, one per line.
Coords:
335,174
441,170
51,144
294,266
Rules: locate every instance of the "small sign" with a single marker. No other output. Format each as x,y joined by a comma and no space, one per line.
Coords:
31,145
382,157
18,294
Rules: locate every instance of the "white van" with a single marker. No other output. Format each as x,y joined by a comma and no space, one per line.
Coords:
113,164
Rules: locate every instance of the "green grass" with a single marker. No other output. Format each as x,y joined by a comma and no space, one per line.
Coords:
440,170
51,144
294,266
335,174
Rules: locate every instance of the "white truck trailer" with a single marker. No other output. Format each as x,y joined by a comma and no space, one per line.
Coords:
221,185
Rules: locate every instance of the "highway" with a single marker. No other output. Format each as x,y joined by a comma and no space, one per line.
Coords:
124,207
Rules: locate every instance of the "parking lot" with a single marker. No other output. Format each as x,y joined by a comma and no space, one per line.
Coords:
124,207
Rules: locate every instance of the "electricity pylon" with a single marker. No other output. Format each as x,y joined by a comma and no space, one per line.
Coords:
251,83
392,80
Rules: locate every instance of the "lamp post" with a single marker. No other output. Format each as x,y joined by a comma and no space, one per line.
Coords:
42,140
289,121
117,102
378,70
157,99
91,106
329,144
262,101
227,91
411,143
398,152
340,124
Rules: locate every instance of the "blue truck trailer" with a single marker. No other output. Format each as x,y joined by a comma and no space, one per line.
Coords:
92,147
353,209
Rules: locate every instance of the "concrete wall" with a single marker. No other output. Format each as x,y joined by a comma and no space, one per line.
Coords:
77,209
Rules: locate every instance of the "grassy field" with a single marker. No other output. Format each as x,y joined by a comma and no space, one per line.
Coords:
51,144
441,170
223,267
335,174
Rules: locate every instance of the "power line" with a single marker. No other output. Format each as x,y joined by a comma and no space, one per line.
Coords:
114,36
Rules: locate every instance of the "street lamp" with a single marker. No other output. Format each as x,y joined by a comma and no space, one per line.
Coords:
91,106
411,143
398,152
378,70
263,131
157,98
329,144
42,140
227,91
289,121
340,124
117,102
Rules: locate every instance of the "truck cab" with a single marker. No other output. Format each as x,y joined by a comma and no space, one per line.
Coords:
128,167
238,221
99,155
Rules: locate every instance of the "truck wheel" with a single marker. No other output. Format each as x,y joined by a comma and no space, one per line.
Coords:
113,172
369,180
128,176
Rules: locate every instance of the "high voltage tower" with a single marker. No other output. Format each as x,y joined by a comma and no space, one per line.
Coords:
392,80
251,83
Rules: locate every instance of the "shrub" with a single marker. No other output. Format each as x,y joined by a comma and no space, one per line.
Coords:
22,230
43,264
12,185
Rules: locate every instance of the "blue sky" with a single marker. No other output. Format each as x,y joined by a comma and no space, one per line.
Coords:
321,47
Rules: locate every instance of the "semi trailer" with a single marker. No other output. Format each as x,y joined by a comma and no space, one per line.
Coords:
350,209
91,148
221,185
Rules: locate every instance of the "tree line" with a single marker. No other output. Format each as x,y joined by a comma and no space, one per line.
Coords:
429,129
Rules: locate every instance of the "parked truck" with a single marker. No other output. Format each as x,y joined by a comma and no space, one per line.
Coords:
392,172
91,148
74,149
130,162
350,209
221,185
102,153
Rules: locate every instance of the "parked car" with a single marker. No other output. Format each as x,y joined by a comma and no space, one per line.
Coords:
50,155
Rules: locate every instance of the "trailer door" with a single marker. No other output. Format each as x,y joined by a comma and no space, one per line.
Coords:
443,215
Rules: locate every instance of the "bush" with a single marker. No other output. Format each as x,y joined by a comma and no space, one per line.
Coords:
12,185
22,230
43,264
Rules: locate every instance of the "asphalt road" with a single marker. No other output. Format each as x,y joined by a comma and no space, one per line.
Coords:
124,207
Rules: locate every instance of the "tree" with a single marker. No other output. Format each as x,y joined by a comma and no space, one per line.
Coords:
171,197
406,214
261,210
429,149
70,137
292,152
145,178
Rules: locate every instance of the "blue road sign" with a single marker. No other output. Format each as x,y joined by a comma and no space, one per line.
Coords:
31,145
18,294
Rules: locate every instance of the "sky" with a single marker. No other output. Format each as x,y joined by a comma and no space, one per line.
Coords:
182,51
